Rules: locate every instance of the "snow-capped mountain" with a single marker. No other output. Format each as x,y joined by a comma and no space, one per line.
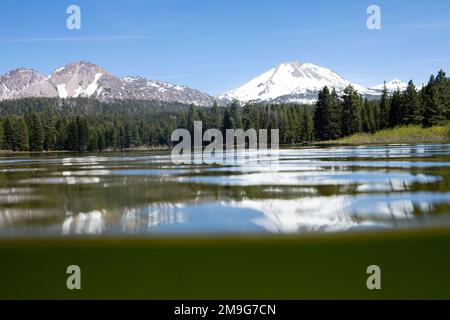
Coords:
391,86
84,79
292,82
22,83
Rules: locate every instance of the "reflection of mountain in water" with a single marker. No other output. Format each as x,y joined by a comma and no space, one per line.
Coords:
153,216
84,223
135,220
296,216
339,213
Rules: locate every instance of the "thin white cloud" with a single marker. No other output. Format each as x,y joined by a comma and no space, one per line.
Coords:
433,60
71,39
426,25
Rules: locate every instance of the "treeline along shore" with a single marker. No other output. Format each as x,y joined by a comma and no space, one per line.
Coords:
82,124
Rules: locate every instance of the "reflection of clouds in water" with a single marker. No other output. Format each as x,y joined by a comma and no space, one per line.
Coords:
84,173
90,223
92,160
153,216
390,151
391,185
17,195
65,180
369,186
20,170
394,180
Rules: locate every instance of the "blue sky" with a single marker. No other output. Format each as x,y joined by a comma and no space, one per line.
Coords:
216,45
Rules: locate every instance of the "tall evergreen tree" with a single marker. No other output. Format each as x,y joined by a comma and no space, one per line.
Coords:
8,131
322,115
20,135
308,126
335,116
365,115
73,141
2,136
351,112
192,117
216,117
385,109
443,96
413,113
83,133
397,113
434,105
247,120
236,116
50,132
227,120
36,134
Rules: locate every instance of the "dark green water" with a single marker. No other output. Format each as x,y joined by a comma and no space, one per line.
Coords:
332,189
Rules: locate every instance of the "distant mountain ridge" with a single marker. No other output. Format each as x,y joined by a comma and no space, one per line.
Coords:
84,79
391,86
298,82
292,82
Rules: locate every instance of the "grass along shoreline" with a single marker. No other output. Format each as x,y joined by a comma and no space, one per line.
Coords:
407,134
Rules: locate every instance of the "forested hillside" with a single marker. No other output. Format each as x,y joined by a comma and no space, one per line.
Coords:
82,124
336,117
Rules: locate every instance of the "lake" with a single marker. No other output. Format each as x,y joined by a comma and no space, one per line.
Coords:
312,190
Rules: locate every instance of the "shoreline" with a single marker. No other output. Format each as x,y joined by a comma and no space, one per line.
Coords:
399,135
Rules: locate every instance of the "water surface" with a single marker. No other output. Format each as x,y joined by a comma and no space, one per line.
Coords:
313,189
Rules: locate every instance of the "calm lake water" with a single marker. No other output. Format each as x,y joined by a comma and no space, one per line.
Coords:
314,189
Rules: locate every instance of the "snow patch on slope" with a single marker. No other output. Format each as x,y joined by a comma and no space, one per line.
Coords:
62,92
90,90
294,82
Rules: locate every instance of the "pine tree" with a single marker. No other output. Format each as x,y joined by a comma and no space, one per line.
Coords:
93,140
322,116
216,117
293,125
373,110
351,112
227,121
308,126
434,103
36,133
335,116
397,114
247,120
385,109
50,132
365,116
72,142
447,98
83,134
128,136
20,135
8,131
442,98
101,143
2,136
236,117
192,117
412,107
